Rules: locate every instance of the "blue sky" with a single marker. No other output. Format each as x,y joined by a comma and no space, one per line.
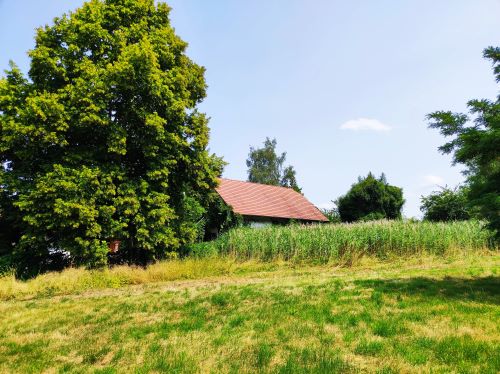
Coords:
344,86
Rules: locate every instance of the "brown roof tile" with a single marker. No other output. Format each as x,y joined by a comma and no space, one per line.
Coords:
254,199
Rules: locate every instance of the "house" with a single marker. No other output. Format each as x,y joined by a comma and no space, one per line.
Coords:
261,204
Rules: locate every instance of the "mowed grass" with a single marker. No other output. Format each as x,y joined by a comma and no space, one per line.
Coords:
420,314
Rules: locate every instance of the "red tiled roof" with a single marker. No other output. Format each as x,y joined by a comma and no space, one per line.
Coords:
254,199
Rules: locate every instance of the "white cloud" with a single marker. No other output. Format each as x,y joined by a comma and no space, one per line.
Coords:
433,180
365,124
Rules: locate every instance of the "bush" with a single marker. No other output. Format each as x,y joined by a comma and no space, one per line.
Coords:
446,205
371,199
332,215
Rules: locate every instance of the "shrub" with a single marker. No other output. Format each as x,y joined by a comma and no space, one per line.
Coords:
446,205
370,199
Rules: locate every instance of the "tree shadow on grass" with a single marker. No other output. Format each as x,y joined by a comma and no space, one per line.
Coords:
483,289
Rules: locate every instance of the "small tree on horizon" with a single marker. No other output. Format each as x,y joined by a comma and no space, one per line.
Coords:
266,167
447,204
369,199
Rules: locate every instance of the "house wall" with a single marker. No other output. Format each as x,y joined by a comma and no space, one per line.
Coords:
259,222
255,221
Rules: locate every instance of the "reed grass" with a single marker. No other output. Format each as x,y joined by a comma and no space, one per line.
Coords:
348,242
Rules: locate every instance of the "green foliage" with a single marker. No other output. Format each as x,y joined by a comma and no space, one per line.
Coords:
476,145
103,141
332,214
220,216
6,264
266,167
346,243
371,199
446,205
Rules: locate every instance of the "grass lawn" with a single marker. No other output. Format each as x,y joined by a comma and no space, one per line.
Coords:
417,315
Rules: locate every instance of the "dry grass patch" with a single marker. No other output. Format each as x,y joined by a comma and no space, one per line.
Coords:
77,280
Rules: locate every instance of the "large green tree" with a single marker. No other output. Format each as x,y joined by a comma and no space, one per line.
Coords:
447,204
475,143
370,198
267,167
102,140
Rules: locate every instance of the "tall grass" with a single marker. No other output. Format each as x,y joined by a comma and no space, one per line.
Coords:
346,242
75,280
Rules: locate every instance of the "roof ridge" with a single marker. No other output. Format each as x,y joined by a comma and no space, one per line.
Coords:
261,184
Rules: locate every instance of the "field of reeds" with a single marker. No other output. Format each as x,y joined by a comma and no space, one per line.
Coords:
345,243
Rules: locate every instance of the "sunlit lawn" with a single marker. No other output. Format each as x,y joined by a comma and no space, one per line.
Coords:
431,315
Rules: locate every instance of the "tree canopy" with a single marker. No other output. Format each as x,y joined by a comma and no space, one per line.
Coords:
370,198
475,143
446,205
103,140
267,167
